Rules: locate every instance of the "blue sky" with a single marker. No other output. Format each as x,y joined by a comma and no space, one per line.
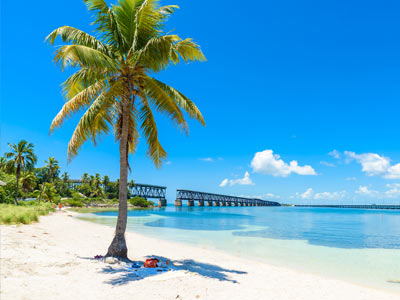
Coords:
297,79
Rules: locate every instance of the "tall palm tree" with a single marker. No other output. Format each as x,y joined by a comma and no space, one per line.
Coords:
114,84
20,158
52,167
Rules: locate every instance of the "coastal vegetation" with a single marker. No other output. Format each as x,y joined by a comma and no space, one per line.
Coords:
37,186
115,86
23,213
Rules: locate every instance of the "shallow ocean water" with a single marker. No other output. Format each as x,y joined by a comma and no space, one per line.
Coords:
356,245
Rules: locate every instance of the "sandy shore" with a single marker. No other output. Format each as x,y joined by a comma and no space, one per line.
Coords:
52,259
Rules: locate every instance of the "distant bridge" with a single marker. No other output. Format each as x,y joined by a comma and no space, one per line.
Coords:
371,206
139,189
150,191
218,200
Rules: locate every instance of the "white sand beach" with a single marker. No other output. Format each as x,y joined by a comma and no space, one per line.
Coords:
53,259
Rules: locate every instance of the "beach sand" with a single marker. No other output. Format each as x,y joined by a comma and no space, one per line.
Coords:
53,259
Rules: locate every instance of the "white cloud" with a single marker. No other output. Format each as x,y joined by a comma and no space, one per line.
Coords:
310,194
372,164
307,194
393,172
168,162
224,182
335,154
265,196
207,159
394,190
328,164
365,191
246,180
350,178
266,162
330,196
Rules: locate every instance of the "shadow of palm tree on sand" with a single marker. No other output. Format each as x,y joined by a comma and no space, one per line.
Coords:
203,269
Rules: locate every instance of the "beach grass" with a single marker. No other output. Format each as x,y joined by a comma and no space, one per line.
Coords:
23,214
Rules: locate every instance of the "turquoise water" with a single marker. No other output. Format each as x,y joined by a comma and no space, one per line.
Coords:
361,246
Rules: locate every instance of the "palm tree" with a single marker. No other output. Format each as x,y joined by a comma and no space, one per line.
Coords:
114,84
21,158
27,181
85,178
52,167
3,163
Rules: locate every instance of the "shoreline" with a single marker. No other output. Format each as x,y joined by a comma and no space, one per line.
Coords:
53,259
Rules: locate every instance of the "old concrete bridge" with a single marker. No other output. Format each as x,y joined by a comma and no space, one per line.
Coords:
210,199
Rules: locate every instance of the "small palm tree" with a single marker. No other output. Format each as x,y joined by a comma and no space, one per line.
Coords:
27,181
114,84
85,178
3,163
52,167
21,158
47,191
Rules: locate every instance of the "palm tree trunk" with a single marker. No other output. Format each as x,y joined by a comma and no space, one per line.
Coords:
16,193
118,246
41,192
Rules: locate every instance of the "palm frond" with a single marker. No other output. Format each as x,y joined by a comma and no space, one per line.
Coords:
72,35
95,120
155,151
106,24
184,102
189,50
83,56
77,103
163,102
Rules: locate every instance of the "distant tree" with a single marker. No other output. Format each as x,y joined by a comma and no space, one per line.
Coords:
64,185
114,84
85,178
27,181
20,158
52,169
47,191
97,190
3,163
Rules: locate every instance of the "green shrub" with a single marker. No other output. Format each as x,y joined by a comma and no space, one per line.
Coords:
74,203
140,202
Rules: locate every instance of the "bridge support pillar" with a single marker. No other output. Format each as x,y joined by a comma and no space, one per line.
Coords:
190,203
178,202
162,202
235,204
209,203
201,203
223,203
228,203
217,203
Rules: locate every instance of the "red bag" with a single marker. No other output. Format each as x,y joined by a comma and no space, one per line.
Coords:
151,263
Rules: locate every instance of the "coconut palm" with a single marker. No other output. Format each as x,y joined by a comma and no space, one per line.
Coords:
85,178
47,191
3,163
52,168
114,83
27,181
21,158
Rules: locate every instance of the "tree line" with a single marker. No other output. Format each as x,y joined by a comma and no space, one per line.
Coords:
24,180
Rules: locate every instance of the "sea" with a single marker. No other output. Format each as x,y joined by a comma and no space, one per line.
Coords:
356,245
